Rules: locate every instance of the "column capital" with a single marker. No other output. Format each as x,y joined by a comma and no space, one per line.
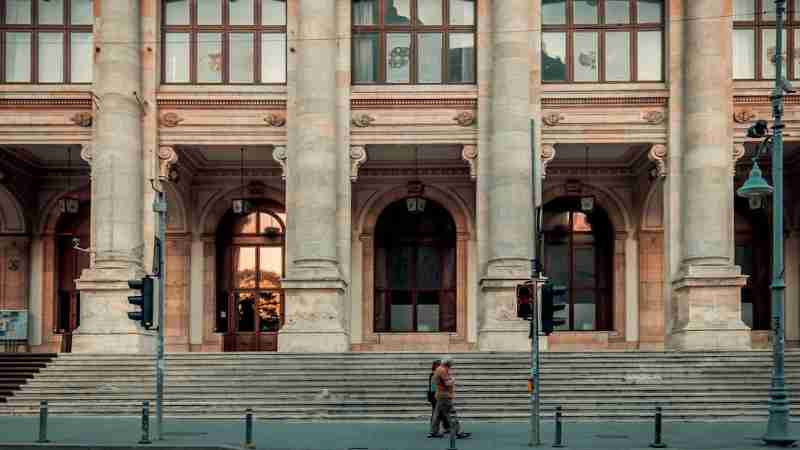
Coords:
469,153
358,156
658,155
280,156
87,153
548,154
738,153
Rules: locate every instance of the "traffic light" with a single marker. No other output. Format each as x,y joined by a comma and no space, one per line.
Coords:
525,300
144,301
551,302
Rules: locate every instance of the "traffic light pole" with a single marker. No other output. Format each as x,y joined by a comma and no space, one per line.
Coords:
160,208
535,438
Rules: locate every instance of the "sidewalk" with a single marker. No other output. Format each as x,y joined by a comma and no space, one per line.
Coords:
102,432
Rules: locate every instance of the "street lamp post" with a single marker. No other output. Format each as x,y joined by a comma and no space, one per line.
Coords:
756,188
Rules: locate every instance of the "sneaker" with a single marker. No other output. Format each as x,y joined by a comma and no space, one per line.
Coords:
463,435
435,435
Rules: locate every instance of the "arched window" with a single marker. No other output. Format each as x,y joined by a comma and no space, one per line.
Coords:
578,254
415,274
250,308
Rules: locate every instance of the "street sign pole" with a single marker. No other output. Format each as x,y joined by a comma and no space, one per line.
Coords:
160,208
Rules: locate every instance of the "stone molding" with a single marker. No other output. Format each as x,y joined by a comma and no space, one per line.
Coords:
743,115
469,153
658,155
275,120
362,120
221,103
465,118
411,171
358,156
654,117
280,156
170,120
87,153
552,119
763,99
82,119
556,102
167,157
738,153
395,103
548,155
46,102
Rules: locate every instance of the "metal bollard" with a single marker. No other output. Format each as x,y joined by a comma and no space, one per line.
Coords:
248,429
452,438
558,443
145,423
43,422
657,442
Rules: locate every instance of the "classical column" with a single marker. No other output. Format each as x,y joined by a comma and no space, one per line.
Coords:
117,187
507,188
314,283
706,298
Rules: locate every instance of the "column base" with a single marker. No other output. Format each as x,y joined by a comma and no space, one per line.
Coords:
500,328
707,310
315,320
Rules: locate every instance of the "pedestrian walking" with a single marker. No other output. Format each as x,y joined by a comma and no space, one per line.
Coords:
445,411
432,397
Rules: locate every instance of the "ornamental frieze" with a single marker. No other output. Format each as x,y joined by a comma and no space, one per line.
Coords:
82,119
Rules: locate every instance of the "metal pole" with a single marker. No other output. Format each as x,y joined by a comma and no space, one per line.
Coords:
452,438
248,429
559,442
535,435
145,423
42,422
657,441
160,207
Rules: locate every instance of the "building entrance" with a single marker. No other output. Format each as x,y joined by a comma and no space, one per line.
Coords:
71,263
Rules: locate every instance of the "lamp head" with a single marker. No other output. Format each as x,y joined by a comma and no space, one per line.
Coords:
758,129
755,186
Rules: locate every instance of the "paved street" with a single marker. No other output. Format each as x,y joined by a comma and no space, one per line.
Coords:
390,436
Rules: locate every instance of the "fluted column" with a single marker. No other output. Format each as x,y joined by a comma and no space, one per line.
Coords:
314,285
706,304
507,189
117,191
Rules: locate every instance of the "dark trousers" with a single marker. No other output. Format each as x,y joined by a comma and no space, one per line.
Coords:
444,413
444,422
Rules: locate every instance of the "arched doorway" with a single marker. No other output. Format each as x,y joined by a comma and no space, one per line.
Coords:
70,264
753,254
250,257
415,270
579,254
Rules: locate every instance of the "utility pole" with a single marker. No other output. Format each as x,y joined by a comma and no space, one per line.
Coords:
160,208
535,434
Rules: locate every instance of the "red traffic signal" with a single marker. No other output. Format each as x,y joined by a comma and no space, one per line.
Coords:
525,300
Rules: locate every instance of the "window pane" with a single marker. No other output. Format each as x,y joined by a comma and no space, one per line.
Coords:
273,58
402,311
429,268
273,12
584,311
650,11
365,12
399,264
244,267
796,10
82,12
51,57
796,56
585,11
768,52
768,10
584,266
554,12
269,311
18,57
18,12
618,55
209,58
270,266
209,12
241,12
397,12
176,58
51,12
177,12
245,311
744,54
649,56
429,62
429,12
618,11
462,12
585,56
241,58
81,57
461,58
398,57
554,56
428,312
365,58
744,10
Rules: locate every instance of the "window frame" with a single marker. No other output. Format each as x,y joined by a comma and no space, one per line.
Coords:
413,30
758,25
569,28
225,30
34,29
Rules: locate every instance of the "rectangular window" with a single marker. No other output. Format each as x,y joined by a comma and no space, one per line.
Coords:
429,12
241,57
51,12
754,39
618,56
176,58
618,11
18,12
744,54
51,57
398,58
273,12
209,58
209,12
429,65
585,57
241,12
768,49
82,12
365,57
462,12
80,53
273,58
461,58
554,12
365,12
650,11
554,57
176,12
650,65
585,12
18,57
398,13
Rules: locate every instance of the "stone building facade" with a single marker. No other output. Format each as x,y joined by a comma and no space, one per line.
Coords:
359,175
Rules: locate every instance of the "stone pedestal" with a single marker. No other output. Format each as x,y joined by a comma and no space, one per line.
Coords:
314,317
105,326
500,328
707,310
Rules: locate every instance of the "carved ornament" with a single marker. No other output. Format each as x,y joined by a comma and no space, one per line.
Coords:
743,115
166,159
465,118
552,119
654,117
738,153
87,153
14,264
170,119
548,154
658,155
362,120
82,119
280,156
275,120
469,153
358,156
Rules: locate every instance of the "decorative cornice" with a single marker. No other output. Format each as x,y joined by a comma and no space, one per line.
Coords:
362,120
658,155
548,154
220,103
280,156
167,157
395,103
560,171
552,119
743,115
170,120
738,153
556,102
412,171
763,99
469,153
654,117
236,173
82,119
358,156
46,103
275,120
465,118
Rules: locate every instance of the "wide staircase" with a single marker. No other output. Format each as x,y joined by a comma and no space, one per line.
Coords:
17,368
391,386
